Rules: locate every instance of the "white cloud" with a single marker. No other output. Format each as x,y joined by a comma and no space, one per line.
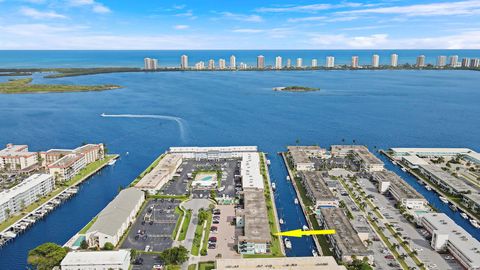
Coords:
37,14
179,6
307,19
241,17
181,27
434,9
189,14
313,7
248,30
96,7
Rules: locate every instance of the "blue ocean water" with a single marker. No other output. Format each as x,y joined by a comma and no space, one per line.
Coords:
36,59
380,109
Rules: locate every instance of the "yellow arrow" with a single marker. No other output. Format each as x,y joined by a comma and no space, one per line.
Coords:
300,233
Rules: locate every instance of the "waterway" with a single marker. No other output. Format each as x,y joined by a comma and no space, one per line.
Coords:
380,109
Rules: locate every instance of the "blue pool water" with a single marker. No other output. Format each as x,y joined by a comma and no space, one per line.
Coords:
380,109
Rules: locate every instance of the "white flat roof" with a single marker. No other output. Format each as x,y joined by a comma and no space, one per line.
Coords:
250,171
24,186
415,160
95,257
440,151
195,149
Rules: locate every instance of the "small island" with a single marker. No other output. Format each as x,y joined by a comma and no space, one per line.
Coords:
24,86
296,88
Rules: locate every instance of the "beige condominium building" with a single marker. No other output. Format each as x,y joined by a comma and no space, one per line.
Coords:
301,156
317,190
17,157
280,263
154,180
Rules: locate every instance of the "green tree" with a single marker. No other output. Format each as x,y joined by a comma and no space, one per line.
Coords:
175,255
84,244
108,246
46,256
202,216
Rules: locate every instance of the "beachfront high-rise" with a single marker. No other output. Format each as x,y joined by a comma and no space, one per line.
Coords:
222,64
466,62
453,61
394,60
278,62
475,63
211,64
289,63
184,62
375,60
330,63
233,62
200,65
314,63
260,61
420,61
441,61
299,63
354,61
150,63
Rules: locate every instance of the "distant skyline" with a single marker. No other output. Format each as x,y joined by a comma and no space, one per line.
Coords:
213,24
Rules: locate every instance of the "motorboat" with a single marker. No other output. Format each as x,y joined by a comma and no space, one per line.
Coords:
288,178
112,162
274,186
305,228
453,207
474,223
281,221
428,187
443,199
314,253
465,216
268,162
403,169
288,244
295,201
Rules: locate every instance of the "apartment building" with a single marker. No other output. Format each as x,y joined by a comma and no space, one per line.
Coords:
17,157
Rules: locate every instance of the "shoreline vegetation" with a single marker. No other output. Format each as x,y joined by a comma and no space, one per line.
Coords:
24,86
72,72
295,88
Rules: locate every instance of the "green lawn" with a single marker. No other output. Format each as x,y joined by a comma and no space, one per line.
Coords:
147,170
181,215
89,224
83,174
192,267
207,234
197,239
206,265
184,229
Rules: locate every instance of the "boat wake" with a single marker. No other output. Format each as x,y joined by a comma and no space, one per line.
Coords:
180,122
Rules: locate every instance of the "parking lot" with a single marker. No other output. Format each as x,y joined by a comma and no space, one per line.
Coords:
225,234
145,262
181,183
153,228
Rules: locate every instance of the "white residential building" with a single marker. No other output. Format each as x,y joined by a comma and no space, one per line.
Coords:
330,63
200,65
448,236
233,62
67,167
153,181
222,64
354,61
260,61
299,63
421,61
184,61
17,157
289,63
441,61
97,260
394,60
114,219
211,64
454,60
13,200
278,62
466,62
150,63
375,61
314,63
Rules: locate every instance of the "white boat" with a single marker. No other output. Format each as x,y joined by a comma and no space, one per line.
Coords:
288,244
428,187
268,162
453,207
394,162
474,223
288,178
295,201
112,162
274,186
465,216
281,221
443,199
102,115
305,228
403,169
314,253
126,154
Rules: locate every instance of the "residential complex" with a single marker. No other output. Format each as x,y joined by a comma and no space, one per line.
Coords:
375,60
154,180
112,222
318,190
345,242
454,61
314,63
368,162
394,60
355,63
184,62
278,62
299,63
97,260
17,157
233,62
420,61
441,61
330,63
302,156
14,200
260,61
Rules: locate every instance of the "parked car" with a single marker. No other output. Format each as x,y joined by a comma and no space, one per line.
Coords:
390,257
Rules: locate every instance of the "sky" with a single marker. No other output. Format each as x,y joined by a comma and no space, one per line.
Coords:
239,24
